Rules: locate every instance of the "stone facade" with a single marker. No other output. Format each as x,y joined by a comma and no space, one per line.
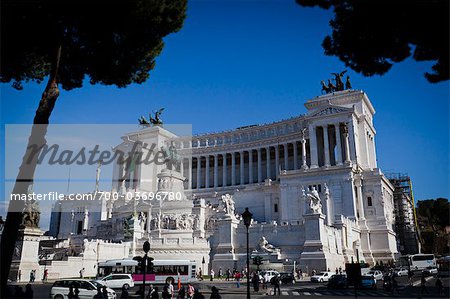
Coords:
311,182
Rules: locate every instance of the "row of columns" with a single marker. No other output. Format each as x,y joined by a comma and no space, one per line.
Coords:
326,146
314,161
242,177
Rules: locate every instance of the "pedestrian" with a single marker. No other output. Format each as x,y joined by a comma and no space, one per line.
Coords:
190,291
28,292
410,277
276,285
266,280
167,290
124,294
255,282
337,271
155,294
228,274
31,275
200,274
439,286
181,293
105,292
81,273
394,285
237,276
423,285
19,275
44,279
220,273
212,275
215,293
340,270
328,270
313,272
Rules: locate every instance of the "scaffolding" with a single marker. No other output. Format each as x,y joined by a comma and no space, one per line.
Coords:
406,226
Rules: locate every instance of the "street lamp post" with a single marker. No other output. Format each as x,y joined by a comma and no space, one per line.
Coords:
146,248
247,216
203,268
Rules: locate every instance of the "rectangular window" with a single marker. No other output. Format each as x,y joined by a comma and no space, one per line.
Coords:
275,208
369,201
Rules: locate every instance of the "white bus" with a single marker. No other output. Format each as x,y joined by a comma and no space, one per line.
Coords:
417,261
163,270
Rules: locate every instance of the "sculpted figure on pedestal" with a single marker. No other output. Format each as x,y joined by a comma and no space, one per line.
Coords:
142,220
314,201
228,201
31,214
266,246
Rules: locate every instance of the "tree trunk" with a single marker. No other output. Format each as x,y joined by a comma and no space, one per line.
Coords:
26,171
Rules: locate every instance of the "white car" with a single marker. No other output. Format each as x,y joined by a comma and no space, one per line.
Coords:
117,281
430,270
377,274
322,276
87,289
269,274
402,272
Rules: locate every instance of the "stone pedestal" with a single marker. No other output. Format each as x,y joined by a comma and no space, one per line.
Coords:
313,255
26,255
225,256
366,254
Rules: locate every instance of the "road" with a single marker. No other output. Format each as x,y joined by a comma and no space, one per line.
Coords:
301,289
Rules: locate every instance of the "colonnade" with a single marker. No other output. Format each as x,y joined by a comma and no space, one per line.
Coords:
327,145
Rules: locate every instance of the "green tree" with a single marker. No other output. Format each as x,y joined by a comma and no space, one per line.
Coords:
111,42
436,211
435,216
369,36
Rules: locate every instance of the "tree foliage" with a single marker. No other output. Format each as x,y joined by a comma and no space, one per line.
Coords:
369,36
436,211
112,42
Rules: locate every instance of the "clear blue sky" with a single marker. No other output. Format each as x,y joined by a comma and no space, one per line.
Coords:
236,63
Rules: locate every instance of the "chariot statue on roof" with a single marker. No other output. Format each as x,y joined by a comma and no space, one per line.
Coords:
155,121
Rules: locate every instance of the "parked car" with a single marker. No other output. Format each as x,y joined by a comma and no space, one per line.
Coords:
377,274
337,282
87,289
368,282
287,278
117,281
322,277
401,272
271,274
430,271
